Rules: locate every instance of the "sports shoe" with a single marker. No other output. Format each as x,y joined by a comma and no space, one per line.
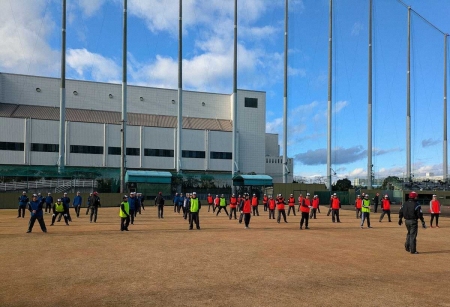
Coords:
306,227
415,253
370,227
437,226
28,231
246,227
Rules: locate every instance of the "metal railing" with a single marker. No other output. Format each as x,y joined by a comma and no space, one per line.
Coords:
59,185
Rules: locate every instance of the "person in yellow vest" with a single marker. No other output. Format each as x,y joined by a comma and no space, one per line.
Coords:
195,208
124,214
59,210
365,211
222,205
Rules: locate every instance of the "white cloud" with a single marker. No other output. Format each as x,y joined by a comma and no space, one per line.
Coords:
89,7
274,126
357,28
93,66
339,106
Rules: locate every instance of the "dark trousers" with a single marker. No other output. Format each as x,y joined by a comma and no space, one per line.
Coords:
178,209
412,227
255,210
335,215
318,209
281,213
209,207
304,219
67,213
194,218
138,210
124,222
49,207
271,213
87,209
220,209
132,215
265,206
388,212
60,214
185,211
241,217
174,207
293,210
365,216
375,207
232,210
247,217
434,215
41,223
21,211
94,211
329,211
160,211
313,213
358,213
77,210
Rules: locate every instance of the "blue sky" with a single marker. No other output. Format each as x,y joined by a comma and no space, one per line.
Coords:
30,44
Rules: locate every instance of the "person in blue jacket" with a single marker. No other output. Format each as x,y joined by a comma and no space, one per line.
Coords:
180,202
132,203
48,203
66,201
77,201
35,208
175,202
23,201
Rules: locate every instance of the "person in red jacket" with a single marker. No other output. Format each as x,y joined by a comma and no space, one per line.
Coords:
435,210
280,206
315,206
335,206
386,207
233,206
216,203
305,207
271,205
291,203
300,199
246,210
255,205
358,204
210,202
265,200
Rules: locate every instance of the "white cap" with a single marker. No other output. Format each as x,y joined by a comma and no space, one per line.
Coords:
125,196
59,199
24,192
65,193
195,193
49,193
334,194
307,194
132,193
34,195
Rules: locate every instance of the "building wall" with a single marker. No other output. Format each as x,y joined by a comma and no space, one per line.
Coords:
272,147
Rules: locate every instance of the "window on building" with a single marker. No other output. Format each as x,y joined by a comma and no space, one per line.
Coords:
193,154
251,102
150,152
44,147
221,155
133,151
114,151
94,150
11,146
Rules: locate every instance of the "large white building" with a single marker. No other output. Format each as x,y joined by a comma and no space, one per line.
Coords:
29,127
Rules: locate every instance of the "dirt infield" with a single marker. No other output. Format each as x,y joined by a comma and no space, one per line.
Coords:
162,263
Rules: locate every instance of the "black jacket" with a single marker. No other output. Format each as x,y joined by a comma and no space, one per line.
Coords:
411,210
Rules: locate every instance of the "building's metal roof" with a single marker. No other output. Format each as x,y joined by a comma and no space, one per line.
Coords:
252,180
109,117
148,177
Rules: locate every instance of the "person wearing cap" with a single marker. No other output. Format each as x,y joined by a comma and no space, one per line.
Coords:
376,200
386,207
210,201
59,211
23,201
66,201
435,210
159,201
35,208
222,205
246,210
365,211
195,206
40,198
335,206
315,206
265,200
94,207
411,211
132,206
216,203
358,204
305,207
280,206
124,214
89,203
291,204
300,200
255,203
271,205
77,201
233,206
48,203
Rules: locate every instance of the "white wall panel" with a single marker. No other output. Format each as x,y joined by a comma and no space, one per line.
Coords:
193,140
12,129
158,163
193,164
43,158
88,134
11,157
86,160
219,165
44,131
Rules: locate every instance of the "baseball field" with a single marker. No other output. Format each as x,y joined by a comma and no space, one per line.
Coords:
159,262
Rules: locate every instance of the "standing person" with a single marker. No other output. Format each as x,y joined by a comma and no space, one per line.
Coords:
66,201
240,206
159,201
411,211
271,206
335,206
124,214
300,200
330,209
58,211
222,205
180,203
209,200
89,203
291,203
376,200
435,210
94,207
318,203
35,208
138,204
265,200
358,204
315,207
386,207
77,201
194,209
186,206
365,211
48,202
23,201
216,203
175,202
255,204
280,207
305,207
142,199
233,206
132,204
246,210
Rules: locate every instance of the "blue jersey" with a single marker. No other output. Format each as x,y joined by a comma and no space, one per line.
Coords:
132,203
77,201
49,200
66,202
36,205
23,200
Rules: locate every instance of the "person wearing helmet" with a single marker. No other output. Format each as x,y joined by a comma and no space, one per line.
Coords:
435,210
48,203
216,203
194,211
35,208
94,207
210,201
246,209
386,207
255,203
233,206
124,214
89,203
358,205
291,204
335,206
159,201
265,201
77,201
411,211
280,206
271,206
376,200
23,201
58,211
222,205
365,211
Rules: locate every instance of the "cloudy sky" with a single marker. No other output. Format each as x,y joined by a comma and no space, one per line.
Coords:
30,44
